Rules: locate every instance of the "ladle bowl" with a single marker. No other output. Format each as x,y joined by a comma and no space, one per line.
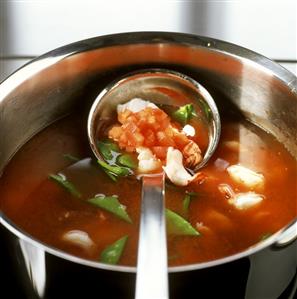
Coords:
155,85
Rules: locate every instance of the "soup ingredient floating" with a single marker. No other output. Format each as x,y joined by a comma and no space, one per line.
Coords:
80,239
158,140
228,215
111,204
112,253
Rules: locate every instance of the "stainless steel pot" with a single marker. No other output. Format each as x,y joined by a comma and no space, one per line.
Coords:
51,86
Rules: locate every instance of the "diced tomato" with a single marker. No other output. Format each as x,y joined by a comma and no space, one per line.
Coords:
139,139
130,149
131,119
160,151
149,127
115,132
149,138
164,140
124,115
130,127
180,139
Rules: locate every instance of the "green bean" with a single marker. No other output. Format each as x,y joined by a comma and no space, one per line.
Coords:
62,181
112,205
177,225
112,253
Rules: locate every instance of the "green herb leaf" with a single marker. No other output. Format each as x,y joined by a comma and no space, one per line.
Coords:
187,201
110,174
193,194
177,225
186,204
112,155
71,157
107,148
62,181
127,160
112,205
114,169
112,253
184,113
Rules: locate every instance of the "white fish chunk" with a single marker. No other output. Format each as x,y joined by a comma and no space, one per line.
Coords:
246,176
79,238
246,200
189,130
148,162
175,169
135,105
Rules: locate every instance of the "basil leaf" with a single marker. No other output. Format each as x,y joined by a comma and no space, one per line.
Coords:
107,148
62,181
184,113
177,225
112,205
127,160
114,169
71,158
112,253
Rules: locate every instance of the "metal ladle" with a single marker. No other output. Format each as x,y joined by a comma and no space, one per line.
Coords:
157,86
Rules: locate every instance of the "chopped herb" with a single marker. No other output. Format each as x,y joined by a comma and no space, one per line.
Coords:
107,149
187,200
184,114
71,157
127,160
193,194
177,225
112,156
112,205
114,169
62,181
112,253
186,204
265,236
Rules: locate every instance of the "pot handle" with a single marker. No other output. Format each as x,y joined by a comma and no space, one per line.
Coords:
287,237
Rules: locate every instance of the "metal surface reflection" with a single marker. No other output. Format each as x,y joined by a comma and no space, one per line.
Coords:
277,266
34,260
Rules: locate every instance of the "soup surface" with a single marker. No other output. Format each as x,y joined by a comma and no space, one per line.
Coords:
47,187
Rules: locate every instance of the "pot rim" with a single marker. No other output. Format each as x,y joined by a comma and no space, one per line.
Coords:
128,38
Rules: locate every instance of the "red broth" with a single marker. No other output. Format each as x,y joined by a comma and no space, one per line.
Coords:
46,211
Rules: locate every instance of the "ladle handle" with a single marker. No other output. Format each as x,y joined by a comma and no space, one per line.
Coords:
152,272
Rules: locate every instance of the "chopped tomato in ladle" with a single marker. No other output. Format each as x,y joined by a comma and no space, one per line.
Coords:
145,126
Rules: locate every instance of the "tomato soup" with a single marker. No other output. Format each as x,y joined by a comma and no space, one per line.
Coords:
56,191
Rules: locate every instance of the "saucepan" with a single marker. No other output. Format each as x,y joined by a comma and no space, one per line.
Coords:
54,84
